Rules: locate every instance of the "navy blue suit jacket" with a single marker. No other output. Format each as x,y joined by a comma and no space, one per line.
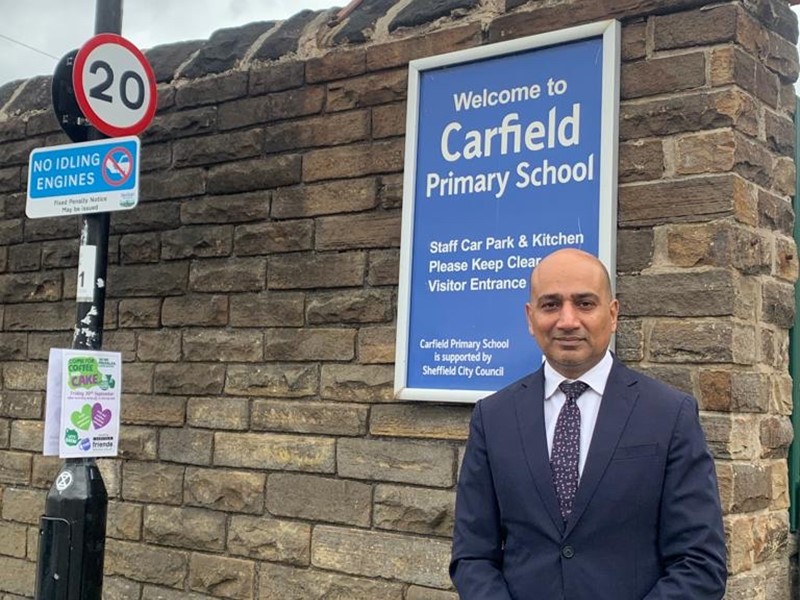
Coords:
646,522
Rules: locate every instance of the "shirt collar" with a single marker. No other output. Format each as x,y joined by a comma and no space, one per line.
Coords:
596,377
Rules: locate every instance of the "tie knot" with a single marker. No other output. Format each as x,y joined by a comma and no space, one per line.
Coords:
573,390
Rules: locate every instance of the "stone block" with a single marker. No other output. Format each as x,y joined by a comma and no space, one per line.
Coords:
168,279
421,561
309,417
744,487
771,536
336,64
274,380
276,77
230,491
182,123
215,86
21,405
163,345
218,413
23,505
278,582
15,468
30,376
328,130
718,245
197,242
739,541
211,149
695,28
398,53
44,471
731,436
777,303
255,174
701,198
415,510
367,90
317,498
368,230
169,185
676,294
725,390
786,260
139,312
148,564
421,421
641,160
357,383
13,346
663,75
223,577
273,451
30,287
776,435
689,112
779,131
152,482
27,435
117,588
353,161
13,539
376,345
138,377
124,522
24,257
717,341
140,248
19,576
39,343
138,409
275,237
190,446
230,208
388,120
267,309
398,461
190,528
240,345
310,344
328,270
422,593
270,540
345,196
272,107
384,267
196,309
50,316
228,275
189,378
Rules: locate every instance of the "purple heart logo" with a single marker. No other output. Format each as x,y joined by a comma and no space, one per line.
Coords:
100,417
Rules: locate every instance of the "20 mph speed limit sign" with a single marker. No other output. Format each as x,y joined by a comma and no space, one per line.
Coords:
114,85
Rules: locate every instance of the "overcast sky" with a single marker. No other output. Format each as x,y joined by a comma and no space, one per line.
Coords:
57,26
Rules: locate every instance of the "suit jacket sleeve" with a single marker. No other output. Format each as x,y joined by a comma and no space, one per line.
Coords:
691,538
476,566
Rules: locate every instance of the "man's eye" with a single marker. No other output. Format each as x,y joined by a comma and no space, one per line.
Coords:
549,306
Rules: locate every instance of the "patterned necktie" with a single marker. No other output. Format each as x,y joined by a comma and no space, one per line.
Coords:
566,446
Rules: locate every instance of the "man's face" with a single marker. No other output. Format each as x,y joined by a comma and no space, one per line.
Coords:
571,313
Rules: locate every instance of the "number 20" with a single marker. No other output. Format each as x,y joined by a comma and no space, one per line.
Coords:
99,90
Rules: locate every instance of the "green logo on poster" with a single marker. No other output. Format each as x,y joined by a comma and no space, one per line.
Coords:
71,437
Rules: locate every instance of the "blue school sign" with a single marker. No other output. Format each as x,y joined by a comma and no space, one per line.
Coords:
510,155
96,176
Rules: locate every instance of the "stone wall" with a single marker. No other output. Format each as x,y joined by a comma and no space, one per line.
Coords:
253,295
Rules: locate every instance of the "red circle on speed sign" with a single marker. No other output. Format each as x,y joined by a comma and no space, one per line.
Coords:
114,85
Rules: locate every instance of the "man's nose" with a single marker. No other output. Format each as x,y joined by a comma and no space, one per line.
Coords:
568,317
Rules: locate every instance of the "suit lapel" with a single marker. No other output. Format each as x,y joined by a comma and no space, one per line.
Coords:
618,401
529,406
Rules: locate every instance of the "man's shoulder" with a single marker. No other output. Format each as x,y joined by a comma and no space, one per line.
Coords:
504,398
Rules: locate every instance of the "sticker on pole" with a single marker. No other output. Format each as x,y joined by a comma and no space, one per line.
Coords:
114,85
97,176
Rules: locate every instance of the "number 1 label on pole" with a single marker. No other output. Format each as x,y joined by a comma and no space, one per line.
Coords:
87,258
114,85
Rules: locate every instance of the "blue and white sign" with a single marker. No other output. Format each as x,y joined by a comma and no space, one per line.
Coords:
511,154
98,176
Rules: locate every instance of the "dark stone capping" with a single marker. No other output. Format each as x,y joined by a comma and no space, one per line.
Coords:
631,9
166,59
361,20
776,16
225,48
36,95
420,12
285,39
7,90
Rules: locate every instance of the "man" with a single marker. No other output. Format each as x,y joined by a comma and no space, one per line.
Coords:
604,491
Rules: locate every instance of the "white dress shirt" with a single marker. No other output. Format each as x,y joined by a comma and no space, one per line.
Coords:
588,403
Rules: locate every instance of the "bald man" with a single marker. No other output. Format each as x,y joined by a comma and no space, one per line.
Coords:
586,480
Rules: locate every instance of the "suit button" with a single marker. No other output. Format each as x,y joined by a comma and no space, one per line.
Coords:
568,552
